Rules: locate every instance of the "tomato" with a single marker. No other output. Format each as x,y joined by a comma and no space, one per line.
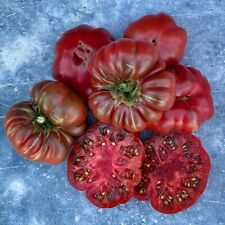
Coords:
73,52
130,86
43,129
175,172
105,162
193,105
162,31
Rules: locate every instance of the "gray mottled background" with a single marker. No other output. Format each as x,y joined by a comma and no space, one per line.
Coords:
37,194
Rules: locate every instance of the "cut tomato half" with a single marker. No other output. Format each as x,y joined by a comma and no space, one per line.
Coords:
175,172
106,164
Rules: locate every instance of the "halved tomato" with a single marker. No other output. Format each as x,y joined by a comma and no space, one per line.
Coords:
175,172
106,163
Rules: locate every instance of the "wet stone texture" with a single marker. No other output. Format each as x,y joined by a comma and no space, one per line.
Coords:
37,194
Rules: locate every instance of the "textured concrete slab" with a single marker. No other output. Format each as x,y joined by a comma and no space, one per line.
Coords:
37,194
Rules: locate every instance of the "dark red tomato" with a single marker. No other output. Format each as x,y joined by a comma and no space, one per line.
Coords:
105,162
175,172
43,129
162,31
193,104
72,54
130,86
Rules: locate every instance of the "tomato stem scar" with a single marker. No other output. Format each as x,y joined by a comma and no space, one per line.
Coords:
40,119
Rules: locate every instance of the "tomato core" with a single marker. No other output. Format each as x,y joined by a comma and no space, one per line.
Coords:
169,170
105,163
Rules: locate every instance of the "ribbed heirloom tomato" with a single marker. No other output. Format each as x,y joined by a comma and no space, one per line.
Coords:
73,52
105,162
193,104
130,86
43,129
174,172
162,31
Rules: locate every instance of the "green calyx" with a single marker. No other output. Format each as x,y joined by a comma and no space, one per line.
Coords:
127,91
42,124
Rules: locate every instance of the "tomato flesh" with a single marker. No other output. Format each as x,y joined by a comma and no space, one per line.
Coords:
106,163
175,172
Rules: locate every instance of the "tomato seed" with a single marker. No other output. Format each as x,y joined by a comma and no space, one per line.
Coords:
149,148
188,155
149,167
101,143
111,195
182,195
166,202
82,174
79,160
142,191
163,153
162,197
185,146
191,168
170,143
191,183
159,187
197,159
87,142
104,130
130,151
99,196
123,188
150,154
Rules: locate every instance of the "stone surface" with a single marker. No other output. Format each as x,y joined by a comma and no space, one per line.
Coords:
37,194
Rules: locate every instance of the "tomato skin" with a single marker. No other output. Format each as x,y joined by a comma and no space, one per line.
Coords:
161,30
130,86
72,54
105,163
193,104
174,173
43,129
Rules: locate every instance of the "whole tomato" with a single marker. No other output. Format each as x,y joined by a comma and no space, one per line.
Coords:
43,129
130,86
162,31
193,104
72,54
